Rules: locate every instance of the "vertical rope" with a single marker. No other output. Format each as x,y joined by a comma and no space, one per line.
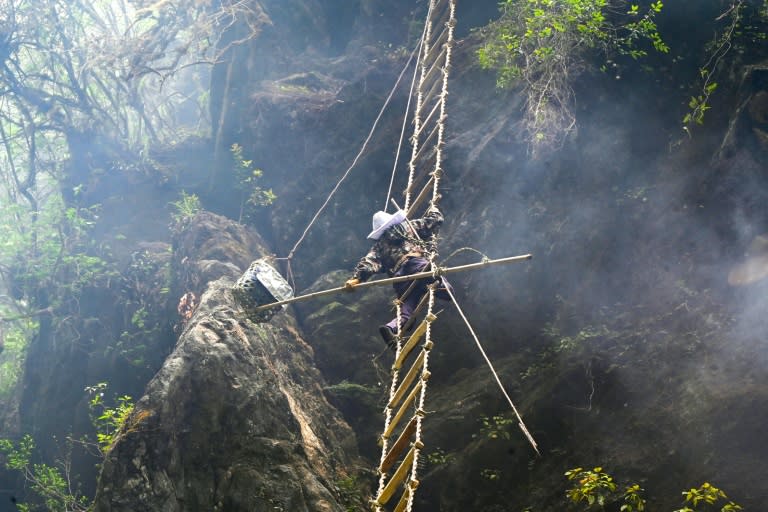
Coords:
360,153
407,111
388,415
420,408
437,173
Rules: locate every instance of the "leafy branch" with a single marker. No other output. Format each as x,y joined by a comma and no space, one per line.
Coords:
52,484
706,494
108,421
248,177
541,46
185,208
719,48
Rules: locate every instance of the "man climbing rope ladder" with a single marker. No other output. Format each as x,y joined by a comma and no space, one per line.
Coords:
400,250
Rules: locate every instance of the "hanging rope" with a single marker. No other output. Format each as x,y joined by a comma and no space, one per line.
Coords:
405,117
520,422
292,252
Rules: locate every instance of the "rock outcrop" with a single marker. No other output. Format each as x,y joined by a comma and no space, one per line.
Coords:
235,420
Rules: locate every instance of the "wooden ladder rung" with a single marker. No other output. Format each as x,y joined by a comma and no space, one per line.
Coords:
424,194
420,171
406,495
398,477
426,98
438,65
439,41
426,170
413,340
407,381
425,148
403,501
425,122
406,403
440,13
399,446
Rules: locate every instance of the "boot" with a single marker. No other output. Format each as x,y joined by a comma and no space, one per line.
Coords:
390,338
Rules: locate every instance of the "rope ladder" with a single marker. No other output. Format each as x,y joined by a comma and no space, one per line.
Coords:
401,440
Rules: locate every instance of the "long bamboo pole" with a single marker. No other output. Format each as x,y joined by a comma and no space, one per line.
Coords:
399,279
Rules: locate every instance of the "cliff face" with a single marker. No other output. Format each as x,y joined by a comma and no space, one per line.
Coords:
235,419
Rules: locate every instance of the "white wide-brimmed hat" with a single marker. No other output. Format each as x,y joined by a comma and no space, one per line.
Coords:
383,221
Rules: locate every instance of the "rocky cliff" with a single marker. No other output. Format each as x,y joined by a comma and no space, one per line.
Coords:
236,418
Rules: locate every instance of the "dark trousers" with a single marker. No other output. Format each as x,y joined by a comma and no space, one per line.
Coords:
411,266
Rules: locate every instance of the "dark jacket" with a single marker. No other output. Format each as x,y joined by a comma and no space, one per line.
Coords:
398,243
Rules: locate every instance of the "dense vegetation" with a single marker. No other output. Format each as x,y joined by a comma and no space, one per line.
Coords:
87,97
544,46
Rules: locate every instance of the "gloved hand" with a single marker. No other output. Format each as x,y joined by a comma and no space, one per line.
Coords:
350,284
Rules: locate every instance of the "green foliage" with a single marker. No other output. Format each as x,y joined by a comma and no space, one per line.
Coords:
17,456
567,343
354,399
132,345
742,29
543,44
717,49
595,489
496,427
532,34
699,104
15,340
108,421
633,502
563,344
51,484
248,177
145,287
491,474
591,486
103,66
50,248
89,86
641,28
438,457
185,208
77,266
708,495
351,493
139,318
48,258
352,389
